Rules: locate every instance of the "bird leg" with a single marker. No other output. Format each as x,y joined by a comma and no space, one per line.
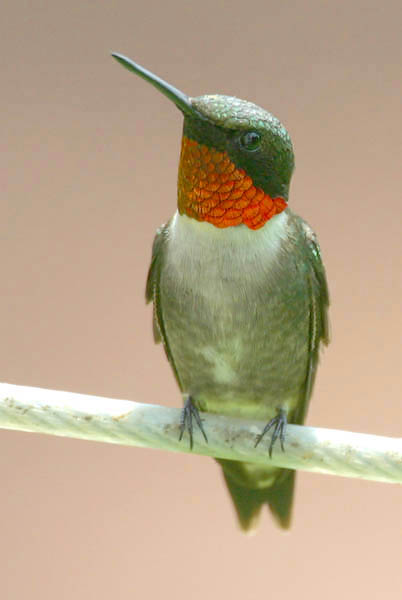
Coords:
279,424
186,422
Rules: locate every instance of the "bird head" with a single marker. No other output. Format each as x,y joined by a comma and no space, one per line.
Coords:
236,158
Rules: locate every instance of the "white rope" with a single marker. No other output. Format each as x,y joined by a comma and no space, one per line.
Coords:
135,424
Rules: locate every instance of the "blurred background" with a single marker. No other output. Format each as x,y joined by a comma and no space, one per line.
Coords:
89,156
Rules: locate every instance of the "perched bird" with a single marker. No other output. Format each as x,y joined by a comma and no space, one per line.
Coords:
237,284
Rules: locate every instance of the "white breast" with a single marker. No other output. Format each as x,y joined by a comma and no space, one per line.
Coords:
204,254
224,296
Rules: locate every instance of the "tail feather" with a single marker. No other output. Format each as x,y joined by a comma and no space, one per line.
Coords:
280,499
248,502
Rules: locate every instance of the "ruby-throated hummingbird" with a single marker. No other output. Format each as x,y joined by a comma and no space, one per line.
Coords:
237,283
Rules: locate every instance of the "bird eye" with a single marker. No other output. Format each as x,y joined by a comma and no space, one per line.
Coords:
250,140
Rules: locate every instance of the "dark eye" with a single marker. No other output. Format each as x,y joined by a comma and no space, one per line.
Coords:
250,140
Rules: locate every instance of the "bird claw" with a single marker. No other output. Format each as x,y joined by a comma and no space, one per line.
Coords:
186,422
279,424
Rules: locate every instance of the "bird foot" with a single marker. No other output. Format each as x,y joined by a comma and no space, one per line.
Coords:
186,422
279,424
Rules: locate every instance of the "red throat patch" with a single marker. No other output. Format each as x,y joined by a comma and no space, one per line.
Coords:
211,188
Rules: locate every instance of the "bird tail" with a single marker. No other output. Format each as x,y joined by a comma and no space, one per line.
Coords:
248,502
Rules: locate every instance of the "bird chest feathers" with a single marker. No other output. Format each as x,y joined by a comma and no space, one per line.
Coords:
230,315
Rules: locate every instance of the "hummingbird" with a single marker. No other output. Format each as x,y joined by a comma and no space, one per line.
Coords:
238,286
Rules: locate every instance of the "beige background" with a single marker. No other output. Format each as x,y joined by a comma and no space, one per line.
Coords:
88,161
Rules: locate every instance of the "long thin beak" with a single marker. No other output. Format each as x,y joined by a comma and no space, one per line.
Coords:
181,100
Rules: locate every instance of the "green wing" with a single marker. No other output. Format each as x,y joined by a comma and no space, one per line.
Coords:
152,287
319,325
152,292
